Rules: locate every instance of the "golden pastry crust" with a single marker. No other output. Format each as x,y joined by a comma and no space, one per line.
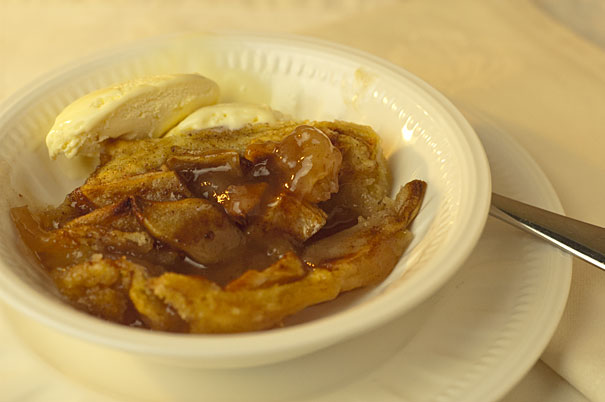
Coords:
222,231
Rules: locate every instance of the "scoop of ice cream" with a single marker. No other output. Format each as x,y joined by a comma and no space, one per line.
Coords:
142,108
229,115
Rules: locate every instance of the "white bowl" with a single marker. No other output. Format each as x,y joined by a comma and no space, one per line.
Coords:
424,137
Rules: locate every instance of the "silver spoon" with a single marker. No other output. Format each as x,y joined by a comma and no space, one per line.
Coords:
581,239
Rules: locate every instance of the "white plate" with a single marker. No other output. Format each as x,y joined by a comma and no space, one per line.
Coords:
489,325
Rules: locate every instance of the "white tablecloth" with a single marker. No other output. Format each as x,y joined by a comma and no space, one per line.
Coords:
537,69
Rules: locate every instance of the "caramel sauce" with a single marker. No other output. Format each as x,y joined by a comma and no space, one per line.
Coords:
264,200
304,166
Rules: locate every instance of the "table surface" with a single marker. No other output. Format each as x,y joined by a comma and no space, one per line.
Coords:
536,68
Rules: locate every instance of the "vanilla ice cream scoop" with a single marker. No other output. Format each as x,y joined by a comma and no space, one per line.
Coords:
142,108
228,115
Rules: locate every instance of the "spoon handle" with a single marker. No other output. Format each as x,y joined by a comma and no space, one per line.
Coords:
581,239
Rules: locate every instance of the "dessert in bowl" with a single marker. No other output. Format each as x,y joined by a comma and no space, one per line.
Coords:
423,137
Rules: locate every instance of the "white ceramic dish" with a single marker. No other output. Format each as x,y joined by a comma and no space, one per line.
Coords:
474,347
424,137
